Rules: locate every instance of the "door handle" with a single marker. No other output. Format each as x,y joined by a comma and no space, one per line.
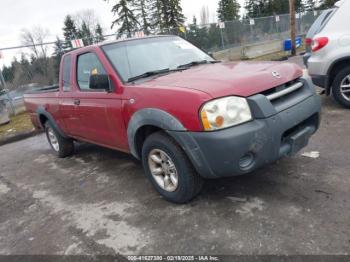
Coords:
76,102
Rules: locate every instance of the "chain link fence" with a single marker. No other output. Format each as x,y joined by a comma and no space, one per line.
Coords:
38,65
221,36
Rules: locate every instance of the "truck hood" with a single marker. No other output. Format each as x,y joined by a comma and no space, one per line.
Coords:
224,79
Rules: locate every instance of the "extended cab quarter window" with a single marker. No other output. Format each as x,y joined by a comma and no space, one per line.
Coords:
88,64
67,64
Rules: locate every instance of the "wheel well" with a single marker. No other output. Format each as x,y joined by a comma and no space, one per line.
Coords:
141,135
336,68
43,119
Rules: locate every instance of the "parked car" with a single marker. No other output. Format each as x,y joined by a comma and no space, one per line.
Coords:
4,115
315,29
329,64
185,115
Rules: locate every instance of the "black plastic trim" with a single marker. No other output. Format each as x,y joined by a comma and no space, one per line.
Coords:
150,117
41,111
320,80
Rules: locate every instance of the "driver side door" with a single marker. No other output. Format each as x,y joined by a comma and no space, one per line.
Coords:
97,113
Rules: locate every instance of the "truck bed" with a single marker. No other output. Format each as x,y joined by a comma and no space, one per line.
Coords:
45,97
45,89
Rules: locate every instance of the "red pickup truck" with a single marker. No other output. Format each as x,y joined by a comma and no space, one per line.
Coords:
185,115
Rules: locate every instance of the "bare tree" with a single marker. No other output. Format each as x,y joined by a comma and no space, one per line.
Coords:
87,17
204,15
35,39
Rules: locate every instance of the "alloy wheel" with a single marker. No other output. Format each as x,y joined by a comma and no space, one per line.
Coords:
163,170
345,87
53,139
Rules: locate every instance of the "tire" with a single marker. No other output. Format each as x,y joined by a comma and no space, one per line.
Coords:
62,147
189,182
341,79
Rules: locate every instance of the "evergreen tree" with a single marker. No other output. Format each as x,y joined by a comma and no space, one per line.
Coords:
70,31
253,8
8,72
167,14
25,68
228,10
126,17
86,34
175,15
59,49
199,36
156,14
193,35
142,6
261,8
99,34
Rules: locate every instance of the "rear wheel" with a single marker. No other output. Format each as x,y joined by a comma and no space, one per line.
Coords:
169,169
62,147
341,87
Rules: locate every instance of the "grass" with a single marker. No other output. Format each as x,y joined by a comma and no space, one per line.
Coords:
19,124
272,57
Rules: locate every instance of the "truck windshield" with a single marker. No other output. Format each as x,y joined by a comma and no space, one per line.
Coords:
137,57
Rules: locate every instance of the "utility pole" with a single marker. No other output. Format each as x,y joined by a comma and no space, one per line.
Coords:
292,26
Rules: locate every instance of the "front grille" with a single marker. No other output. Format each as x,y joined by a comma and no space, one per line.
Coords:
284,90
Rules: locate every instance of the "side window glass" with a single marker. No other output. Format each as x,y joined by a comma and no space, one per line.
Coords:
67,73
88,64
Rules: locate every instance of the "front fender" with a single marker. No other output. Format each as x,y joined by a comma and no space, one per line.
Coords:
151,117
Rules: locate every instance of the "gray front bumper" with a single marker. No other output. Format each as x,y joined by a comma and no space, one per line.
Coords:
220,153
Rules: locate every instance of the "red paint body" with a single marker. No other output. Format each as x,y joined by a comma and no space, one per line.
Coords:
102,118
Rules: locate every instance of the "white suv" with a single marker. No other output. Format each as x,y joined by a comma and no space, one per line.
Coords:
329,64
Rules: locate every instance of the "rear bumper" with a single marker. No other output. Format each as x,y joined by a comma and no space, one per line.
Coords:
244,148
320,80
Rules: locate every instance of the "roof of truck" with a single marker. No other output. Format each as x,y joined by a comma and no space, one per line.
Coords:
132,39
79,50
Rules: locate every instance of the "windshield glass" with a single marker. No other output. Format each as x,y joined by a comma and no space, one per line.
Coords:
137,57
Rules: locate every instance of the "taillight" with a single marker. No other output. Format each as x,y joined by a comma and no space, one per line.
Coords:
319,43
308,41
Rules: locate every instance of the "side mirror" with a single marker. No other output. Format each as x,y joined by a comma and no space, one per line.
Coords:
100,82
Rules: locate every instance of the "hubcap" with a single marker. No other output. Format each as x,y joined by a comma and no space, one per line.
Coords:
163,170
345,88
53,139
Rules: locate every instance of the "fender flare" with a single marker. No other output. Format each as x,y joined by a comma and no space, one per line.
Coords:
151,117
42,111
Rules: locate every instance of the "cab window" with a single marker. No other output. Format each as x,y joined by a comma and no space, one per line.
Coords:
67,64
88,64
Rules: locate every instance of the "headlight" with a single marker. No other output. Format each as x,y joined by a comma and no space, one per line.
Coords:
225,112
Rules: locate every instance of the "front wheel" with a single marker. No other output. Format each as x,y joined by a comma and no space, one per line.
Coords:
169,169
62,147
341,87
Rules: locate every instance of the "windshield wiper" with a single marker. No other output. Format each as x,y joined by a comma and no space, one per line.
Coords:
153,73
195,63
149,73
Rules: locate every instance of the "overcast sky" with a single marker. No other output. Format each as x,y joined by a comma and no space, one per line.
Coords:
24,14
